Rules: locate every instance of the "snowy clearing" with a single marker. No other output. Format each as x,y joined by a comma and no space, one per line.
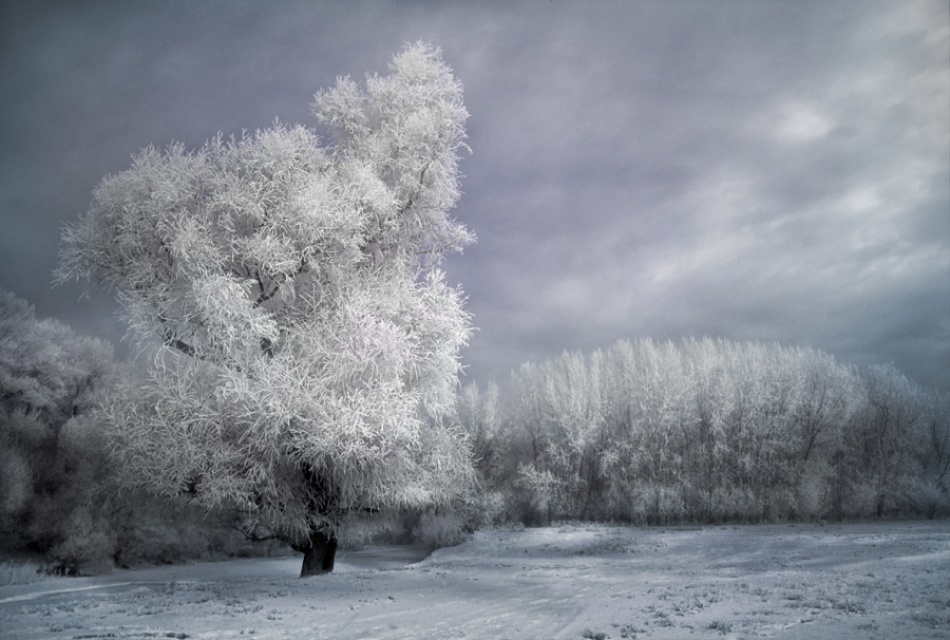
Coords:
870,580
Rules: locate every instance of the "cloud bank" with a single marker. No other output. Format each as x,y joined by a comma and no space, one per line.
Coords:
744,170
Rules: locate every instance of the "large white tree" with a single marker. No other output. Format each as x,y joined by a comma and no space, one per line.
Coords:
309,342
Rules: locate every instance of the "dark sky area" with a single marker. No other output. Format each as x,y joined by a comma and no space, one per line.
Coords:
750,170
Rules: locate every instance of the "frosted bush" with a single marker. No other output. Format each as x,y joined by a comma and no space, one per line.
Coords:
439,530
535,493
858,499
14,573
656,504
780,505
87,549
670,506
492,509
928,499
156,532
812,495
16,483
358,531
639,506
734,504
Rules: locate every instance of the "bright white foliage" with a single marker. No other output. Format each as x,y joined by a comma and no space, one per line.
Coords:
297,294
710,430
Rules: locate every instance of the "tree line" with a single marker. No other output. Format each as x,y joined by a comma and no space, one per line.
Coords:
707,430
697,431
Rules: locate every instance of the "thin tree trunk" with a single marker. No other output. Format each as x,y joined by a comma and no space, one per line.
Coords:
318,558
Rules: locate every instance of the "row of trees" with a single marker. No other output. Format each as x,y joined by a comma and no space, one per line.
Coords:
708,430
696,431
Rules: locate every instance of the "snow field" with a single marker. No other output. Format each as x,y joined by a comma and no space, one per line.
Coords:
872,580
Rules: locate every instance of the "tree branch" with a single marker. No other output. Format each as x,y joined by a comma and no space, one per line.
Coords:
169,339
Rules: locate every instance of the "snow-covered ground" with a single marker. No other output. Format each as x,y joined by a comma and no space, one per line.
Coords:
874,580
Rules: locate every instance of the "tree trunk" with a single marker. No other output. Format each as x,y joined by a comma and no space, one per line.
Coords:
319,556
320,553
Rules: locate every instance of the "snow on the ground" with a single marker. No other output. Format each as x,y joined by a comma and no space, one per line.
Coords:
873,580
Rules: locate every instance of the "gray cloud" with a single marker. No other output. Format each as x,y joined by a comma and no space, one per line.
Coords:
749,170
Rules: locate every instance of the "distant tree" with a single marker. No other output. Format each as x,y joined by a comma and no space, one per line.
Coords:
309,342
934,453
49,459
532,486
479,415
885,433
574,418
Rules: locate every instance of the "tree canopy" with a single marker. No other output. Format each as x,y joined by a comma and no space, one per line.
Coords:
309,344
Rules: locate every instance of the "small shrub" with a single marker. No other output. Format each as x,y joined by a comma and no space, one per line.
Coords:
491,509
16,483
657,504
721,627
439,530
87,547
14,573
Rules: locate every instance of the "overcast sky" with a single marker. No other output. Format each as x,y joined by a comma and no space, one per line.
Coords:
751,170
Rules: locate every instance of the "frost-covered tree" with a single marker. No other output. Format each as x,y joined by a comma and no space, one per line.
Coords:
49,377
884,436
713,430
309,342
934,453
479,415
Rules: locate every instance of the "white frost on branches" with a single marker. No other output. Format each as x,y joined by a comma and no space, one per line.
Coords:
309,341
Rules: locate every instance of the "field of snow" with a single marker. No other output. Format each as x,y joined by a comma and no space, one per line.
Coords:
871,580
